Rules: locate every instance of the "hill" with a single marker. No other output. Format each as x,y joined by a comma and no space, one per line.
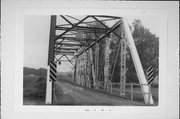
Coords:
34,85
35,72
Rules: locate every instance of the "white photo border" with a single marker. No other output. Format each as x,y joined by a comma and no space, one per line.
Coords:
124,9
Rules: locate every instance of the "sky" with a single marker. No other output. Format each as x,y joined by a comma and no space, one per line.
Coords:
36,39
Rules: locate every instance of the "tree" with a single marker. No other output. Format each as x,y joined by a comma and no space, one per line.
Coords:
147,45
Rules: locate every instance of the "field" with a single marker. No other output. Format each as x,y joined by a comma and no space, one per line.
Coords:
34,90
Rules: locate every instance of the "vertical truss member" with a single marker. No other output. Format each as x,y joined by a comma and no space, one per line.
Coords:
88,70
106,65
84,69
93,84
81,70
97,61
78,70
75,70
123,65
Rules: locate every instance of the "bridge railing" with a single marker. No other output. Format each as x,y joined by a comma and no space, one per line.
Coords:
133,90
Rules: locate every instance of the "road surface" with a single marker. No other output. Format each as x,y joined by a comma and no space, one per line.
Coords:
69,94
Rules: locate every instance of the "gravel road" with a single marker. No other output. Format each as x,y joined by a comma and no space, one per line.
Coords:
68,94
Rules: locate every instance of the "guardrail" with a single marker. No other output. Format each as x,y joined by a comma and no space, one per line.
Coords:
114,88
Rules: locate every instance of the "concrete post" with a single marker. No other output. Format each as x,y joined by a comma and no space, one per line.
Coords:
137,63
48,88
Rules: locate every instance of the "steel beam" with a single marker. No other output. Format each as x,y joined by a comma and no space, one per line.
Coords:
51,57
75,39
97,61
66,48
106,16
105,26
75,70
92,44
64,52
123,65
65,61
83,28
69,44
106,66
109,19
137,64
59,50
71,54
69,60
61,57
57,37
66,20
52,39
92,67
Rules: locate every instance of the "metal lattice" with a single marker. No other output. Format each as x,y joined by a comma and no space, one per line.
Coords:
84,67
106,66
77,71
97,61
123,65
72,39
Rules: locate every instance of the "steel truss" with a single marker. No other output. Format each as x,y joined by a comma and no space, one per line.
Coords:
70,40
106,66
97,61
123,64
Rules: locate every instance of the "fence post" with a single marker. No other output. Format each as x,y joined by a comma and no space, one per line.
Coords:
131,91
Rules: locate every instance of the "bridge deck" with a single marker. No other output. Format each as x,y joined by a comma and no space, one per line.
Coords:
69,94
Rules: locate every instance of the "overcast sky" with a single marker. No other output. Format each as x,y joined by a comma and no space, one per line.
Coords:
36,39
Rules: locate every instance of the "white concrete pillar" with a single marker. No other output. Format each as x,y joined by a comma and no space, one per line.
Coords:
48,88
137,64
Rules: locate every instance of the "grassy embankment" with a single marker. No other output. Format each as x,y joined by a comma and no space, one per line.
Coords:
34,90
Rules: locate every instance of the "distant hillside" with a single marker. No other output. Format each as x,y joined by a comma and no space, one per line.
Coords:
36,72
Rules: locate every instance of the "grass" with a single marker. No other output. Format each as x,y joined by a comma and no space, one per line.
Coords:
34,88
